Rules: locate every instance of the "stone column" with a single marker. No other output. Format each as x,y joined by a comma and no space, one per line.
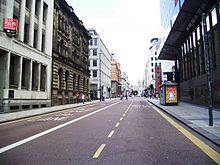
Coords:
31,23
7,70
22,21
40,26
39,77
30,78
9,8
20,72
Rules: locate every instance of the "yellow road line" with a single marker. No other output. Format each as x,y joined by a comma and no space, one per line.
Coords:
204,147
121,118
99,150
111,133
117,125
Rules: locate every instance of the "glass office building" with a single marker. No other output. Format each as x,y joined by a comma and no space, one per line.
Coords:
185,44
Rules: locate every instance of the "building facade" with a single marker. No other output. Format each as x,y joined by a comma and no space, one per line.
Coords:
70,76
100,67
115,78
26,55
186,45
158,71
125,85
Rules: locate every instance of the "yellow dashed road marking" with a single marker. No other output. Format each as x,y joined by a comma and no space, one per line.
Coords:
99,150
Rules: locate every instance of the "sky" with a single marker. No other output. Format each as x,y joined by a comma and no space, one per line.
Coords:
126,28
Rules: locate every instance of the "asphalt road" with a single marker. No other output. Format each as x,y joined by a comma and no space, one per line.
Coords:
112,132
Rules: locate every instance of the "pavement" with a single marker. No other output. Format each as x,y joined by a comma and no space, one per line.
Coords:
6,117
194,116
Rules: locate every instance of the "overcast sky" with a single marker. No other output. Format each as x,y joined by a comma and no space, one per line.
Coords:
125,26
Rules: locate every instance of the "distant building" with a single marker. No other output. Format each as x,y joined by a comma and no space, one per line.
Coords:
100,67
115,78
70,78
184,44
157,71
125,85
26,55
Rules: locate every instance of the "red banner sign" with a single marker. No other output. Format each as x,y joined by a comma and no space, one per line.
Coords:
10,24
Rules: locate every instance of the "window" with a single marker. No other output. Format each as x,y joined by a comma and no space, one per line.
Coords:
37,4
60,72
155,58
91,42
45,10
95,41
152,70
28,4
94,73
152,64
26,33
67,79
94,52
152,58
35,72
94,62
155,53
74,81
43,78
152,76
25,74
14,65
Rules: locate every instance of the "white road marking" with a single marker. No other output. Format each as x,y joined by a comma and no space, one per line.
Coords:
117,125
16,144
111,133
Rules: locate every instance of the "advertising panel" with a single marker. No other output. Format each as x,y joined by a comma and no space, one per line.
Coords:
171,94
10,25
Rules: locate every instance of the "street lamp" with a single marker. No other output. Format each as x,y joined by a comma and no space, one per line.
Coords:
208,68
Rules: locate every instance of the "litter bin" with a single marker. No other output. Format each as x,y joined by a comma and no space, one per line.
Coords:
169,94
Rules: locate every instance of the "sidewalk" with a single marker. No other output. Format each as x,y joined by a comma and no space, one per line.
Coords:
38,111
196,117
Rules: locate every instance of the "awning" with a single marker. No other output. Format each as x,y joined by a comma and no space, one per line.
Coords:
186,21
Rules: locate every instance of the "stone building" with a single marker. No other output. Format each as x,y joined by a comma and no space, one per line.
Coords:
100,67
70,75
115,77
25,54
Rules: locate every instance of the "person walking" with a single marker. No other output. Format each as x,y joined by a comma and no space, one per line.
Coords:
83,98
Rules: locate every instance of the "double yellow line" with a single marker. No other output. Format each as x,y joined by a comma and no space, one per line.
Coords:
204,147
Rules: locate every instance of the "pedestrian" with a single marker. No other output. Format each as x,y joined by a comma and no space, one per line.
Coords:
83,98
121,97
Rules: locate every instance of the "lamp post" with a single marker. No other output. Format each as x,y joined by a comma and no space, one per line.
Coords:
208,68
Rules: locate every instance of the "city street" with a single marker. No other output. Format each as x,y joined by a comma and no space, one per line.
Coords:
113,132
